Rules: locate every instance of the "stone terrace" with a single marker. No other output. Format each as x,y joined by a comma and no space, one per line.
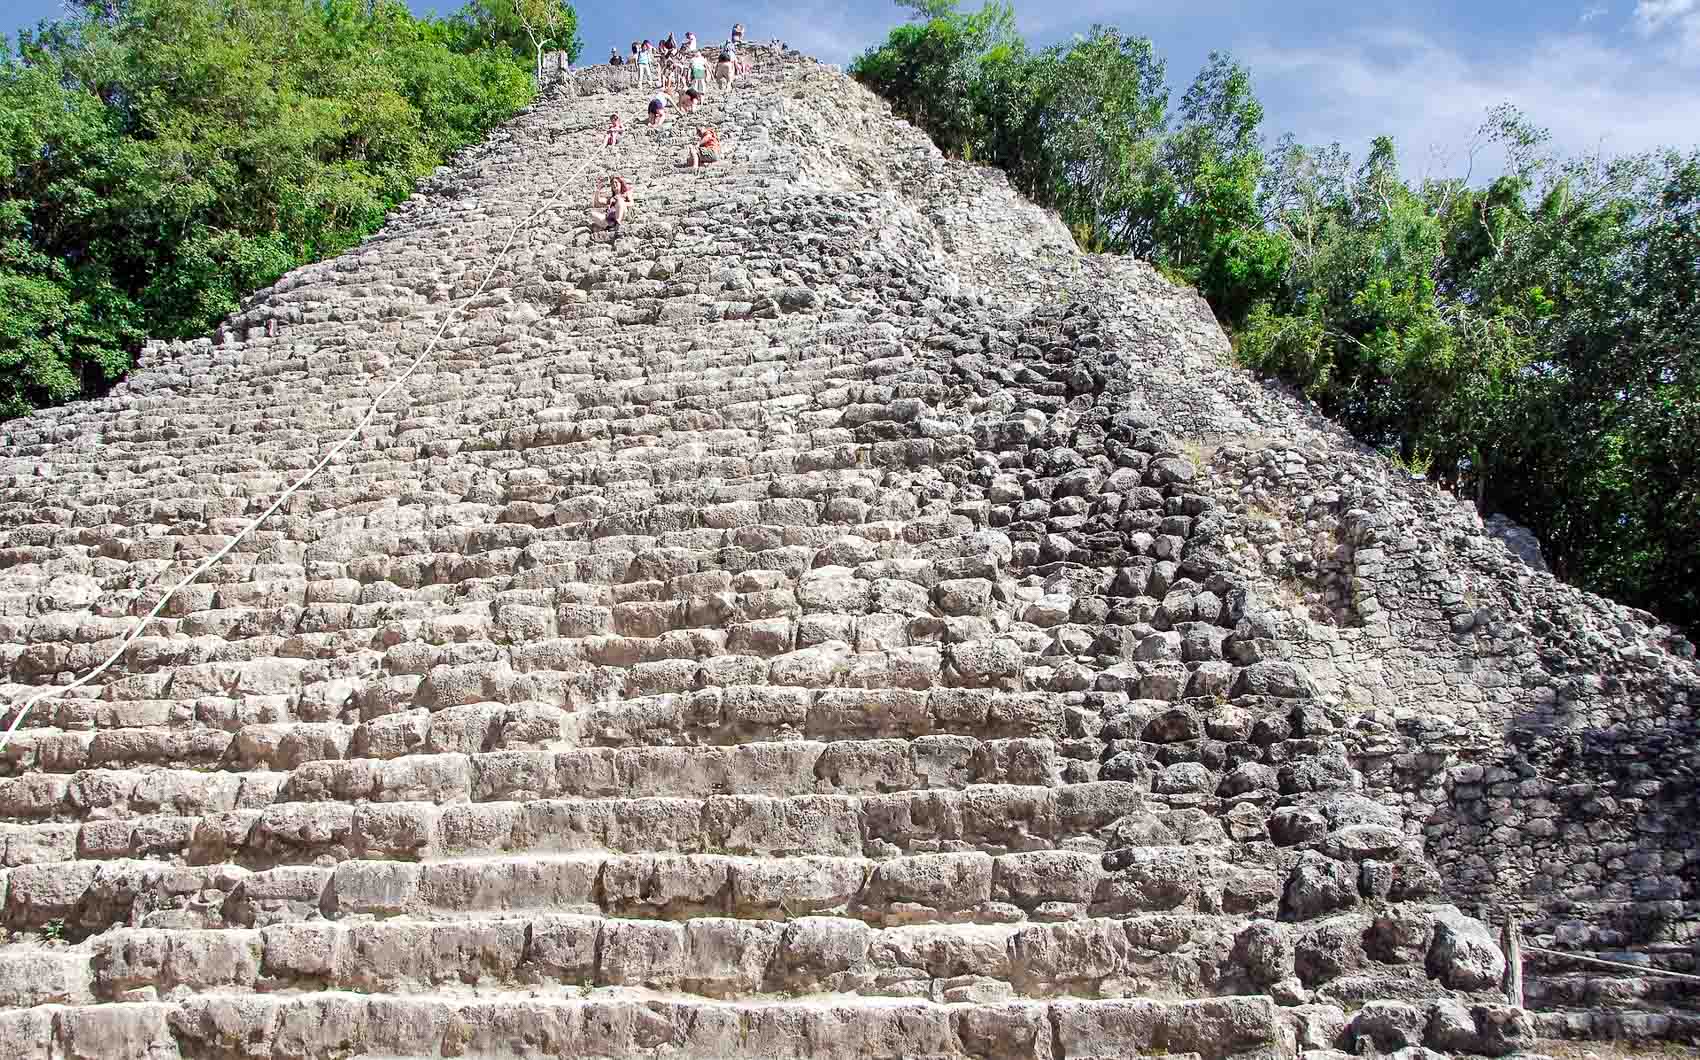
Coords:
788,630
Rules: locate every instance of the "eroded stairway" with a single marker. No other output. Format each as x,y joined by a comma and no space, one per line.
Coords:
768,634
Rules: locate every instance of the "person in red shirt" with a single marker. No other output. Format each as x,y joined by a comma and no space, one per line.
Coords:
705,150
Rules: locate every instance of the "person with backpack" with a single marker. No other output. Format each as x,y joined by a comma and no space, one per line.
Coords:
614,57
699,73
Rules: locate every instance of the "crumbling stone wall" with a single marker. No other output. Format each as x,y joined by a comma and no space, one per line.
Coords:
1548,735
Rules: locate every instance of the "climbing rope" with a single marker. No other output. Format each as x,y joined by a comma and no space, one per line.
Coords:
135,633
1636,968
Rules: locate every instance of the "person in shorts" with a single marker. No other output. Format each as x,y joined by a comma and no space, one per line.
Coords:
615,200
705,150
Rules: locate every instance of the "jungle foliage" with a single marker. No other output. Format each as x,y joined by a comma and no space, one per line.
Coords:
161,159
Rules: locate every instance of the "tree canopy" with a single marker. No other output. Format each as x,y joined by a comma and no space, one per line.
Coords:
161,159
1532,341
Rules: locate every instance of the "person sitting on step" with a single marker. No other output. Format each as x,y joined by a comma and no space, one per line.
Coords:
616,129
615,199
614,57
705,150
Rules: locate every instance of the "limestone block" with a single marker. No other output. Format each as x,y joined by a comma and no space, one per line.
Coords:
796,886
641,953
865,766
1386,1026
823,953
1464,955
1318,886
285,893
380,888
653,885
729,958
1147,879
395,830
104,1031
756,826
1029,879
937,883
1212,1028
562,884
562,949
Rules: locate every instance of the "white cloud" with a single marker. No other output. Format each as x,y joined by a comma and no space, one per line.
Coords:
832,33
1677,22
1431,98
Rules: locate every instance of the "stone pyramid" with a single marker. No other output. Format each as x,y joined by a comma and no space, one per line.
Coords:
834,618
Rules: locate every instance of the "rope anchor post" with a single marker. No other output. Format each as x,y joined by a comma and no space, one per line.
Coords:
1513,961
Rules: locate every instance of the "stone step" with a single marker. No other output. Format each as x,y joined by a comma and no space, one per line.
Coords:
796,767
1627,1027
460,721
997,818
1168,957
609,1024
1040,885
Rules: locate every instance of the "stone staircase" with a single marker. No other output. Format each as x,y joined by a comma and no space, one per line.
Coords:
772,633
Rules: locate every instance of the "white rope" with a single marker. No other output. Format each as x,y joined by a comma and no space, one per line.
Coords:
1639,969
253,523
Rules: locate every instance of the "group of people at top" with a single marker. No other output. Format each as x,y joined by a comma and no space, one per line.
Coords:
670,63
672,59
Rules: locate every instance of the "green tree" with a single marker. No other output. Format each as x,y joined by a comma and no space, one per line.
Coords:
160,159
1207,215
927,69
529,27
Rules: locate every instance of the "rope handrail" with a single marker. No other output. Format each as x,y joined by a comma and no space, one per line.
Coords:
1639,969
271,509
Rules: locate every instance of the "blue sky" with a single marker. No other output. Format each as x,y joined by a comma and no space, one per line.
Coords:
1621,75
